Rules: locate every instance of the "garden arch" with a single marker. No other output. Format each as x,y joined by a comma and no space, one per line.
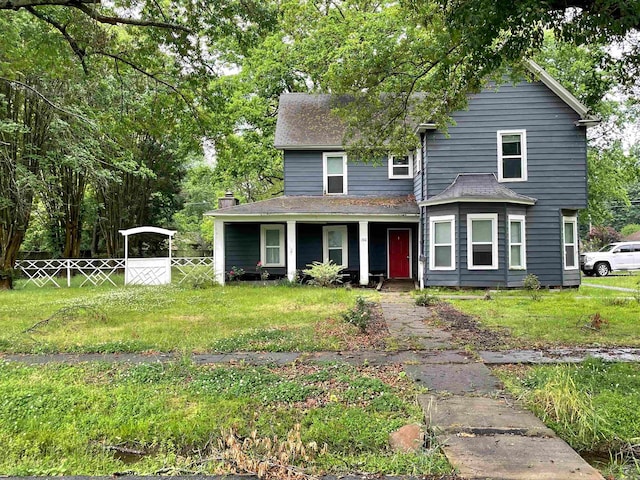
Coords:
147,271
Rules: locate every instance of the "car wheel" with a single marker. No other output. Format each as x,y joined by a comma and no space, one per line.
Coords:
602,269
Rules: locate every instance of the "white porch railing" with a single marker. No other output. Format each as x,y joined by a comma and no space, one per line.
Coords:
100,271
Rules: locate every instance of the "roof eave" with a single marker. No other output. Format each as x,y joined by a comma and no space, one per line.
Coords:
558,89
423,127
431,203
309,147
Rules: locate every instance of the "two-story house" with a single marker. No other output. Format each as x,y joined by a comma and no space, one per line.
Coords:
495,199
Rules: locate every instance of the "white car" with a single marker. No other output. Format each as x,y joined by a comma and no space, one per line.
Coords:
612,257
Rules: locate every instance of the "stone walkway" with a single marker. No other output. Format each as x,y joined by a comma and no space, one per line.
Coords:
479,428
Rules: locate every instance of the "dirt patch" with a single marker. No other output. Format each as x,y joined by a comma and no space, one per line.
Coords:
350,337
467,330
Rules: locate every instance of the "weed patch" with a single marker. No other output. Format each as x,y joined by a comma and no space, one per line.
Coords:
593,406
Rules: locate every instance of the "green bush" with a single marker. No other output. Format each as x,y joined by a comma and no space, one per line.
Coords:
360,315
532,285
630,229
324,274
426,300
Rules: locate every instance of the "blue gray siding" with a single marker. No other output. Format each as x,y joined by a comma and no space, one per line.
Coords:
303,176
556,158
462,276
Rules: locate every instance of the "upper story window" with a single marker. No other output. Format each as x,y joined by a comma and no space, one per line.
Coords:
400,166
482,241
272,245
512,155
570,242
335,173
442,245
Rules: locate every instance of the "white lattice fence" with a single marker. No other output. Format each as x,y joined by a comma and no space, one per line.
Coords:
197,269
94,271
100,271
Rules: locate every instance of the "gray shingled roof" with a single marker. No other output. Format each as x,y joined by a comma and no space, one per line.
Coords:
477,187
306,120
319,205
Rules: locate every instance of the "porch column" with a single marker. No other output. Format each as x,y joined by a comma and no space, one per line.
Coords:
218,251
363,233
292,260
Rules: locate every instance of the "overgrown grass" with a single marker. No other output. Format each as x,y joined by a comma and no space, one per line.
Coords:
170,318
593,406
561,318
87,419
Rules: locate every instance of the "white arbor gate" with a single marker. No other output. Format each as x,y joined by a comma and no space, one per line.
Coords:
146,271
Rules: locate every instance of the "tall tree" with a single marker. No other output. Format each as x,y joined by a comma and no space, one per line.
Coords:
25,132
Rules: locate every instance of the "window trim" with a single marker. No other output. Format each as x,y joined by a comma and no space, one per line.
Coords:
574,221
325,172
432,244
523,241
523,156
494,240
345,243
263,244
390,160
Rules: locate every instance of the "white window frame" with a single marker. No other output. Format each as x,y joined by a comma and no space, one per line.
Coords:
521,219
325,172
432,244
574,222
494,240
263,244
392,176
501,157
345,243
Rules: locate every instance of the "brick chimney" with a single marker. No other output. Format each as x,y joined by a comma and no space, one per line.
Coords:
227,201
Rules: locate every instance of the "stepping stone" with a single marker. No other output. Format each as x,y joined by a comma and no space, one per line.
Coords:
458,378
513,457
480,416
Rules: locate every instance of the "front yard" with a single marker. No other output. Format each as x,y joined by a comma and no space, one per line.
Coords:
100,419
171,318
572,317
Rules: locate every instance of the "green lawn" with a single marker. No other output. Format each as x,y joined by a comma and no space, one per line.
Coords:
616,279
559,318
593,406
171,318
99,419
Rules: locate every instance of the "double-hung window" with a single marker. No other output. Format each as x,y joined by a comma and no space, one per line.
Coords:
335,245
517,243
272,245
335,173
512,155
442,244
400,166
482,241
570,242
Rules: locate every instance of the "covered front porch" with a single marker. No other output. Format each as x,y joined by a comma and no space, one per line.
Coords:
367,236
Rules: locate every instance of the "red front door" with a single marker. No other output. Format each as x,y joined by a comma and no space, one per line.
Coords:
399,254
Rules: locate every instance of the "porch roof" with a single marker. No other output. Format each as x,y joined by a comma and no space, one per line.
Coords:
477,187
325,206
